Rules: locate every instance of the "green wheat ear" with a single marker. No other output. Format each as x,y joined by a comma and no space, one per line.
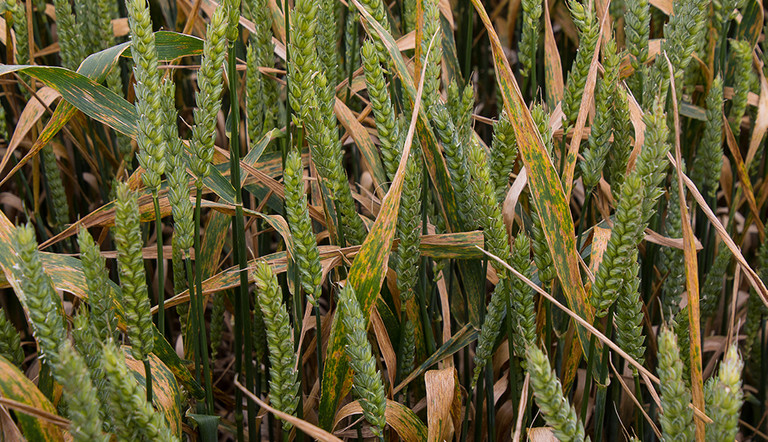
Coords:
724,398
133,416
676,418
132,277
10,341
70,35
366,383
148,94
284,383
100,294
742,53
208,99
522,308
558,412
20,27
307,255
38,296
707,164
57,195
586,22
83,404
503,155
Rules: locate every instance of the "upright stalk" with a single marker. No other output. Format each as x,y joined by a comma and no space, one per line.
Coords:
238,239
160,265
202,341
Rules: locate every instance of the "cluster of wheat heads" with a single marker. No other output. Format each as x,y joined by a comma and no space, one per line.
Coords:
368,220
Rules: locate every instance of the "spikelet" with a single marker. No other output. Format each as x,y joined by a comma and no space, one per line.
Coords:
377,9
586,21
383,111
366,383
522,308
723,11
637,30
261,43
326,40
83,404
623,132
602,127
707,163
133,416
713,283
681,327
233,11
178,179
652,163
558,413
100,294
307,256
42,303
410,7
541,255
20,27
254,93
58,196
303,59
89,346
742,53
88,20
431,95
628,318
617,261
148,95
284,383
676,418
10,341
217,326
503,155
494,318
672,260
409,228
208,99
460,105
328,158
530,36
70,35
491,220
683,35
407,353
456,158
133,281
724,398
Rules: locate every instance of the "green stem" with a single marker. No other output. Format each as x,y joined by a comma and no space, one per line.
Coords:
202,341
160,265
319,339
238,239
193,326
148,378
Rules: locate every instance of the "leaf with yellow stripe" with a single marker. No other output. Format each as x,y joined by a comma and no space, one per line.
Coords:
17,387
543,181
